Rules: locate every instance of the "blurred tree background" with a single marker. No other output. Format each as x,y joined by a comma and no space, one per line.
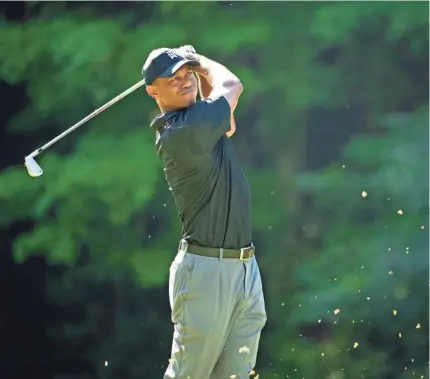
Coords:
333,136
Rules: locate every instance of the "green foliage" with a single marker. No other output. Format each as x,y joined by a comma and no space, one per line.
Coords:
369,256
103,211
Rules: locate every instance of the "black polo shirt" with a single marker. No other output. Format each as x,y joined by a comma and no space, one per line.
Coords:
210,190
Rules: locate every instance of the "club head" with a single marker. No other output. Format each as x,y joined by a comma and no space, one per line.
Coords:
32,167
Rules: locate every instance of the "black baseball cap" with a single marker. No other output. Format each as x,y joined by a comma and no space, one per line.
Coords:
164,62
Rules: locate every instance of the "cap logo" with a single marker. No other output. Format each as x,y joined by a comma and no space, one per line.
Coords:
171,54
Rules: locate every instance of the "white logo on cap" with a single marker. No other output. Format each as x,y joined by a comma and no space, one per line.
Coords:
171,54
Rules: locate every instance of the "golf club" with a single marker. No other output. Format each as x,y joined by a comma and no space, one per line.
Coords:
34,169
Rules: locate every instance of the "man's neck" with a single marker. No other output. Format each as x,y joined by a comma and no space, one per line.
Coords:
164,109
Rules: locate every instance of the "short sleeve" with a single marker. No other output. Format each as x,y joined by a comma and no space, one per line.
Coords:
207,122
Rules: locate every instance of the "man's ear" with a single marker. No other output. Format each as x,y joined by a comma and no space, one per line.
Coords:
152,91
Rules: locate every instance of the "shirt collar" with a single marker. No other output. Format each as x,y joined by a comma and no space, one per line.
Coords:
160,120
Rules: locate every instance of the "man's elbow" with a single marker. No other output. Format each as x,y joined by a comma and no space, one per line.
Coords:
232,126
239,87
234,85
236,91
232,91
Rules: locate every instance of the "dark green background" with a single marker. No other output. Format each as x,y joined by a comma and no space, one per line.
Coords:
333,136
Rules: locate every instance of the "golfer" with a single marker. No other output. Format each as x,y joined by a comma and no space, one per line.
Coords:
215,288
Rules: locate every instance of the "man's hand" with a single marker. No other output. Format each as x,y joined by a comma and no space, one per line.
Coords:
188,51
205,88
200,70
205,82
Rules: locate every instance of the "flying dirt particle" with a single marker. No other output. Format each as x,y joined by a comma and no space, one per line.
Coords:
390,272
418,326
244,349
399,212
400,335
336,311
422,227
394,312
355,345
364,194
106,363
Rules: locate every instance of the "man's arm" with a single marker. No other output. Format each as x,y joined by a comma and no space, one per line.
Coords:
208,120
222,80
205,89
219,78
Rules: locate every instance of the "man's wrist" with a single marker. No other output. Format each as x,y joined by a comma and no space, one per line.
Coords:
205,86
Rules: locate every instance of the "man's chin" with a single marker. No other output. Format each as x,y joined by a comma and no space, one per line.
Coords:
187,103
191,100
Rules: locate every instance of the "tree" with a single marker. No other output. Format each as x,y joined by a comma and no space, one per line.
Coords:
104,220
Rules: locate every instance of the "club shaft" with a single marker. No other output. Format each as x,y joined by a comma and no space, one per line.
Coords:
89,117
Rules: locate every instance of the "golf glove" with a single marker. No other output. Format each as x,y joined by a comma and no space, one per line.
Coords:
188,51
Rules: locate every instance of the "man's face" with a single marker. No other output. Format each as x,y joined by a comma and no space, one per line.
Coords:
175,92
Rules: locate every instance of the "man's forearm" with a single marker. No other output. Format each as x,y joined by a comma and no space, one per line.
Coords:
205,87
214,77
218,76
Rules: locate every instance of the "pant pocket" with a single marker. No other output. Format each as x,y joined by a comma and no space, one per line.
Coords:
181,271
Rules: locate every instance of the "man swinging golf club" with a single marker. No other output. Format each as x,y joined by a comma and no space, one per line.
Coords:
215,288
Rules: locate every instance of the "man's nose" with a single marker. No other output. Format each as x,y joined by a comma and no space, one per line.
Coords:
186,82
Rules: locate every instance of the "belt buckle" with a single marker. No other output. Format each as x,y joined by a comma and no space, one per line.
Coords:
242,253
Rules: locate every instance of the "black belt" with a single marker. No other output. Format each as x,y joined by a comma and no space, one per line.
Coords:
213,252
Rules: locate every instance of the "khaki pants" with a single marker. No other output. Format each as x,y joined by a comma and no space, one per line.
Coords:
218,313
